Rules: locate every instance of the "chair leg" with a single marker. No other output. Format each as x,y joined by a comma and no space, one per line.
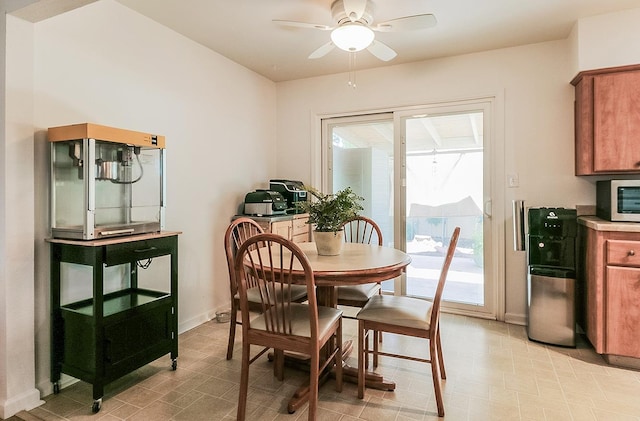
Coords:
375,347
366,347
435,373
443,374
314,384
338,358
278,364
362,355
244,383
232,330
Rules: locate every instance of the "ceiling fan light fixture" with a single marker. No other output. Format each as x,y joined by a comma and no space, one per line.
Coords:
352,37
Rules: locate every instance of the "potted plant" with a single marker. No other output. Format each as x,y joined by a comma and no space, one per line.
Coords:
328,213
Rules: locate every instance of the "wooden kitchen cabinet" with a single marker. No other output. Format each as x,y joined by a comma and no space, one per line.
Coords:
612,288
622,310
292,227
607,121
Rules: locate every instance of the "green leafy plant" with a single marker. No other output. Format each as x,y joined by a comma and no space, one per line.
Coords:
328,212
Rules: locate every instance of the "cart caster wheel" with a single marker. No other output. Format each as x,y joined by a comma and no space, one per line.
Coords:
174,365
56,388
97,404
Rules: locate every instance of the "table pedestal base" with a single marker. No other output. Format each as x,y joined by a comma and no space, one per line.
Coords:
349,374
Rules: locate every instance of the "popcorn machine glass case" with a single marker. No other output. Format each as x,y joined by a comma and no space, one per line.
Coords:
105,182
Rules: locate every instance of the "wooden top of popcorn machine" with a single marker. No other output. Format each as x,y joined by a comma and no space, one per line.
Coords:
104,133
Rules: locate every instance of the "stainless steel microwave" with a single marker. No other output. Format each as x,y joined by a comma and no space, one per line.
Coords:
618,200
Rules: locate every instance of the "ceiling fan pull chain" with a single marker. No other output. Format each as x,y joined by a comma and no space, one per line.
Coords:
352,70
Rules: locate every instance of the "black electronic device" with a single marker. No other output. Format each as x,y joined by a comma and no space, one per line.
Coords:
293,191
264,202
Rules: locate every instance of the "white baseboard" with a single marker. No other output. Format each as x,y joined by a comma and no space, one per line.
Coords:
196,321
515,319
23,402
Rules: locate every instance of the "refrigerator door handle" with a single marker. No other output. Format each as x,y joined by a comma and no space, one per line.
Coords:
519,237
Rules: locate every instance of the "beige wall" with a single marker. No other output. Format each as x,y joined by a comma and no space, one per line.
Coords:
105,64
607,40
17,348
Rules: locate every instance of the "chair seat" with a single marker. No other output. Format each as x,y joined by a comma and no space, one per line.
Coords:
298,292
300,326
357,292
399,311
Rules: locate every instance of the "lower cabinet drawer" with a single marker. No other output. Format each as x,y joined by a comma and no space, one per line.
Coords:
623,253
301,229
301,238
117,254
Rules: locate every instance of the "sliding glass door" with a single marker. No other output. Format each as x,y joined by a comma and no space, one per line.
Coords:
422,172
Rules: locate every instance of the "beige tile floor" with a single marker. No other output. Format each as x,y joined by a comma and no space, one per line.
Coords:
494,373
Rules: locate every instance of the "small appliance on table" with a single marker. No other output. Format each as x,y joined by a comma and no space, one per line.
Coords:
264,202
293,191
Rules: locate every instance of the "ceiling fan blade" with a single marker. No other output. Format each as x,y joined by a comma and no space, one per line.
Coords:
354,8
407,23
295,24
322,51
381,51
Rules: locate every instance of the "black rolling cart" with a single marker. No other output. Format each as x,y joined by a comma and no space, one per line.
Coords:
101,338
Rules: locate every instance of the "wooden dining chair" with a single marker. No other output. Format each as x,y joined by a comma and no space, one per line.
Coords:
406,316
271,264
237,233
359,230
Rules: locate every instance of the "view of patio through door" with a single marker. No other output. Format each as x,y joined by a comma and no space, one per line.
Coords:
444,189
430,170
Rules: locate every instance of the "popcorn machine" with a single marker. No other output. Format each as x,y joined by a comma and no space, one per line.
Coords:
105,182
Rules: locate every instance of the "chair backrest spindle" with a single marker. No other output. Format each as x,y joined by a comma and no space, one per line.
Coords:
437,298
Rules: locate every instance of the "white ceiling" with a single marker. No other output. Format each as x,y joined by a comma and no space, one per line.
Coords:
243,31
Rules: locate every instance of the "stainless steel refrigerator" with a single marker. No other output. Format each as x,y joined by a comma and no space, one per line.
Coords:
551,274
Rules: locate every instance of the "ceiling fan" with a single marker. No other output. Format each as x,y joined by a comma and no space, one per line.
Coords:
354,28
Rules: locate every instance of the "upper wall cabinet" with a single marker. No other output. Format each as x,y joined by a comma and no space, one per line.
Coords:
607,121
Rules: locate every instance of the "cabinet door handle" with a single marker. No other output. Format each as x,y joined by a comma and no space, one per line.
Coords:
152,248
107,350
631,253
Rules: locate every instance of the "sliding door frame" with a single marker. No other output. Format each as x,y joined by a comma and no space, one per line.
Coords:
495,208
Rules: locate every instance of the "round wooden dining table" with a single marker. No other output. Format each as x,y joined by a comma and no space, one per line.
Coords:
356,264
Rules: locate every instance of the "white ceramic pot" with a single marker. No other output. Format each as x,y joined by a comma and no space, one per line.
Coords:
328,243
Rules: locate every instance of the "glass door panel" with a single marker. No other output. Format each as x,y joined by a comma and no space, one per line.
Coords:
361,157
444,189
